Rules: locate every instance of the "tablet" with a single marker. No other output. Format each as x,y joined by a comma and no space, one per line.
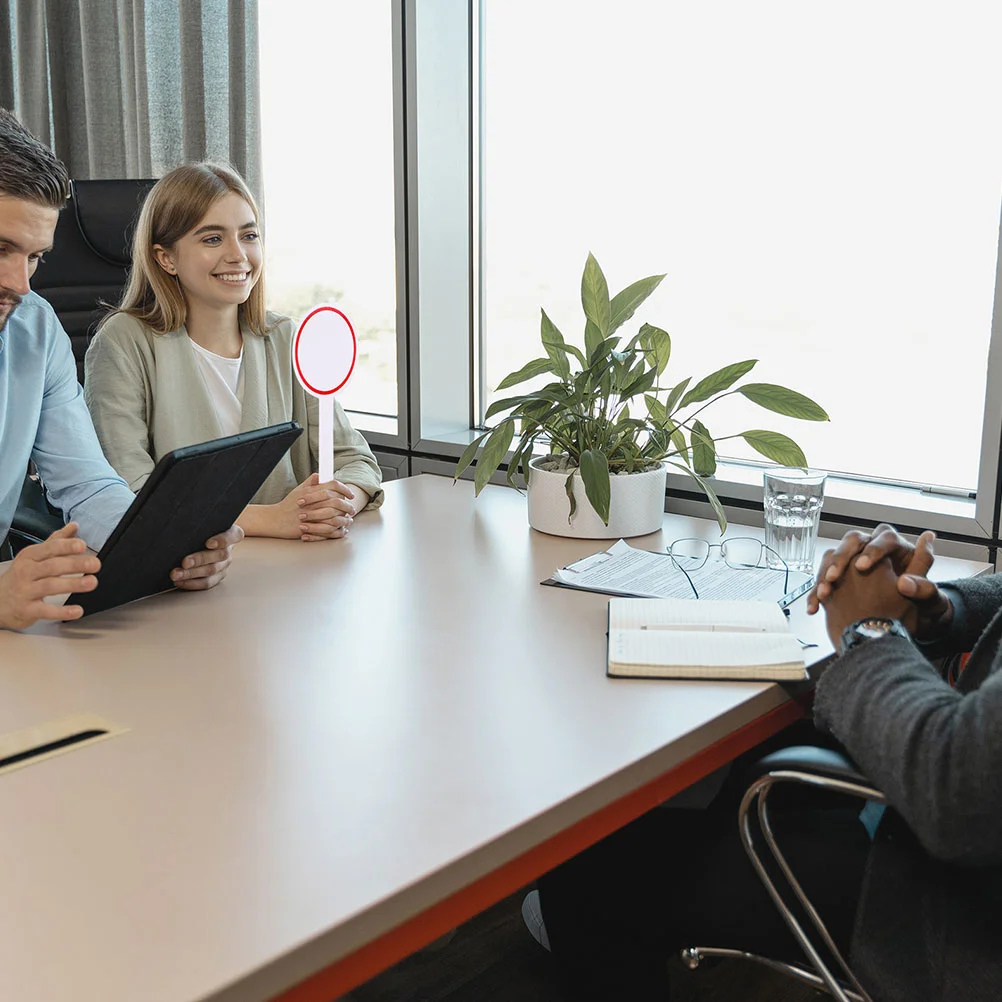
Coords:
192,493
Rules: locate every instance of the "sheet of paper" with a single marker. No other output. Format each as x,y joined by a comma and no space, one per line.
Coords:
708,615
681,648
624,570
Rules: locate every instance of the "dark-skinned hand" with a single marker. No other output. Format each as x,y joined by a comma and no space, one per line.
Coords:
860,596
931,613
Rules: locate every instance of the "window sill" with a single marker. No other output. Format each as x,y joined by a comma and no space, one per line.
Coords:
848,502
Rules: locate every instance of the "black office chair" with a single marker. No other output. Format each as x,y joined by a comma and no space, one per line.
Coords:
819,769
88,265
92,251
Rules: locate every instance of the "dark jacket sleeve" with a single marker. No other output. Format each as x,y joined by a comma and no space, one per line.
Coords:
982,599
935,751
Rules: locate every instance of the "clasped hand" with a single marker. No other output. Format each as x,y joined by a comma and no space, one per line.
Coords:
55,566
881,575
314,511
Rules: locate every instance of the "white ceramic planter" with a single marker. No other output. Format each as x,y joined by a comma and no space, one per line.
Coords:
637,505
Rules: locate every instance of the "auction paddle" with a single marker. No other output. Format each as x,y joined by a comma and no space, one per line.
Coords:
323,356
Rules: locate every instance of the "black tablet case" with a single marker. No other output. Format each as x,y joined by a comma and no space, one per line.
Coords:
192,493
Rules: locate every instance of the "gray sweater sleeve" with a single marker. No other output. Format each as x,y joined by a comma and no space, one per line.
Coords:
935,751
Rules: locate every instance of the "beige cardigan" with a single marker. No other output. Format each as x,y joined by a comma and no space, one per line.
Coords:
146,395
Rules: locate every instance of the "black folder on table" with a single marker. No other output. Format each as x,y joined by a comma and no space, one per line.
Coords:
192,493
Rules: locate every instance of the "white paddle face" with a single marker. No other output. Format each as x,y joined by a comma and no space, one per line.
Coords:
323,357
324,350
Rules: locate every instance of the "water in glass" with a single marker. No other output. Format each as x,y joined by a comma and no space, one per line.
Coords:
792,502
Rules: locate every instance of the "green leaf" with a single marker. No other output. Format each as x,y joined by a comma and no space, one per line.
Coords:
624,304
494,452
704,452
624,415
678,440
516,458
783,401
605,385
534,410
717,381
593,338
595,296
598,488
640,384
502,405
656,446
528,371
779,448
656,409
658,342
526,460
602,349
672,402
553,342
711,496
569,491
468,453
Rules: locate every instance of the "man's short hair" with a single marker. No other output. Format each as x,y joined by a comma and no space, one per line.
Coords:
28,169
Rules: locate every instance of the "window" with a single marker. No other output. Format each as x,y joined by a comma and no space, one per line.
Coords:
328,159
820,184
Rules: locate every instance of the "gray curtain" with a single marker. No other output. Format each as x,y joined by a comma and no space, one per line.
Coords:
131,88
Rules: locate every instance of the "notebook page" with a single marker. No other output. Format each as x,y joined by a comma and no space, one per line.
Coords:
708,615
695,648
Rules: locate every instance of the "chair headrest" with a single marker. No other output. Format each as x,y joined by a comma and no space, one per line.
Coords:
101,208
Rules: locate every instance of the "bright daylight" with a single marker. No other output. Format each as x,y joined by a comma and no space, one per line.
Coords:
845,226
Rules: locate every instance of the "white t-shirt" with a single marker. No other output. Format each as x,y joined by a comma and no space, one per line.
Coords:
224,379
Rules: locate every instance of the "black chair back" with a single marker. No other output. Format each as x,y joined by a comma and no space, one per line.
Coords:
88,264
91,254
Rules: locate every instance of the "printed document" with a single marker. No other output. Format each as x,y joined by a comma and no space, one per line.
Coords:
625,570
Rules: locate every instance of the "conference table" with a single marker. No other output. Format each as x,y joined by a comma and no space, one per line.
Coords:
337,755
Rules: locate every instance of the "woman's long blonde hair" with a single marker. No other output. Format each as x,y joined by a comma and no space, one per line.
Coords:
175,206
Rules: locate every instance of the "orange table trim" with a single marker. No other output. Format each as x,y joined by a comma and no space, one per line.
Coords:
373,958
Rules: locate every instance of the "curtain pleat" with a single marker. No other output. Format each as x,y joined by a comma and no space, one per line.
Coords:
132,88
7,56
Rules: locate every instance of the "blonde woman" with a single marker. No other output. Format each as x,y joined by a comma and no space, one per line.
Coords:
190,354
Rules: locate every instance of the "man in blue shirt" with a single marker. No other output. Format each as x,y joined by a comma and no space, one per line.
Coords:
42,413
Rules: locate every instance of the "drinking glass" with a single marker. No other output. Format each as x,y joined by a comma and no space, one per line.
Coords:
792,499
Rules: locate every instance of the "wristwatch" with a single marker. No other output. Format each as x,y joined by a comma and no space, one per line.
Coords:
871,628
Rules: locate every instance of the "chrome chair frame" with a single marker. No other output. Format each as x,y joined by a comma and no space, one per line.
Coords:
820,769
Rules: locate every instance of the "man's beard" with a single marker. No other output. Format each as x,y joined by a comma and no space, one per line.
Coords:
11,298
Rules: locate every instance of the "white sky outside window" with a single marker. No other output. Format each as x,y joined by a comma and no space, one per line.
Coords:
327,128
820,183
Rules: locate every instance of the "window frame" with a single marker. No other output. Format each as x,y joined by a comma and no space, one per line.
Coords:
440,234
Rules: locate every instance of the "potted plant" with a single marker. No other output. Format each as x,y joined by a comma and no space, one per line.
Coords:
614,415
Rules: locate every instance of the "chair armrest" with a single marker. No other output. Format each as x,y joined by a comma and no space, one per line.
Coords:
808,758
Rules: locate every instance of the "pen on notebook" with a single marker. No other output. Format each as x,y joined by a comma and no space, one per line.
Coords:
791,597
703,627
950,492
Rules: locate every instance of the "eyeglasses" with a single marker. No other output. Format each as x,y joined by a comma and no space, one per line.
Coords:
743,553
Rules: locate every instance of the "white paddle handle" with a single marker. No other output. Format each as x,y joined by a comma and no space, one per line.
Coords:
326,437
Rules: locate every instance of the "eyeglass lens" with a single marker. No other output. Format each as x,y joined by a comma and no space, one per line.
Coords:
690,552
740,552
743,551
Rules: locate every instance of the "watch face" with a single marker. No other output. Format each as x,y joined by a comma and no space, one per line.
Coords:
872,628
869,629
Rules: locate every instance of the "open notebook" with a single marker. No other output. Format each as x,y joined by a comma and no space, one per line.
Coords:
676,638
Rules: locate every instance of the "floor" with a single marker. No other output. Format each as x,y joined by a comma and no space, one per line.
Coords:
492,958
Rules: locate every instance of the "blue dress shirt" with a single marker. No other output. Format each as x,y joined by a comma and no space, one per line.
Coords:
43,417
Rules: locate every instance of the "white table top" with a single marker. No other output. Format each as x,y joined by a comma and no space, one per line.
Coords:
334,739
